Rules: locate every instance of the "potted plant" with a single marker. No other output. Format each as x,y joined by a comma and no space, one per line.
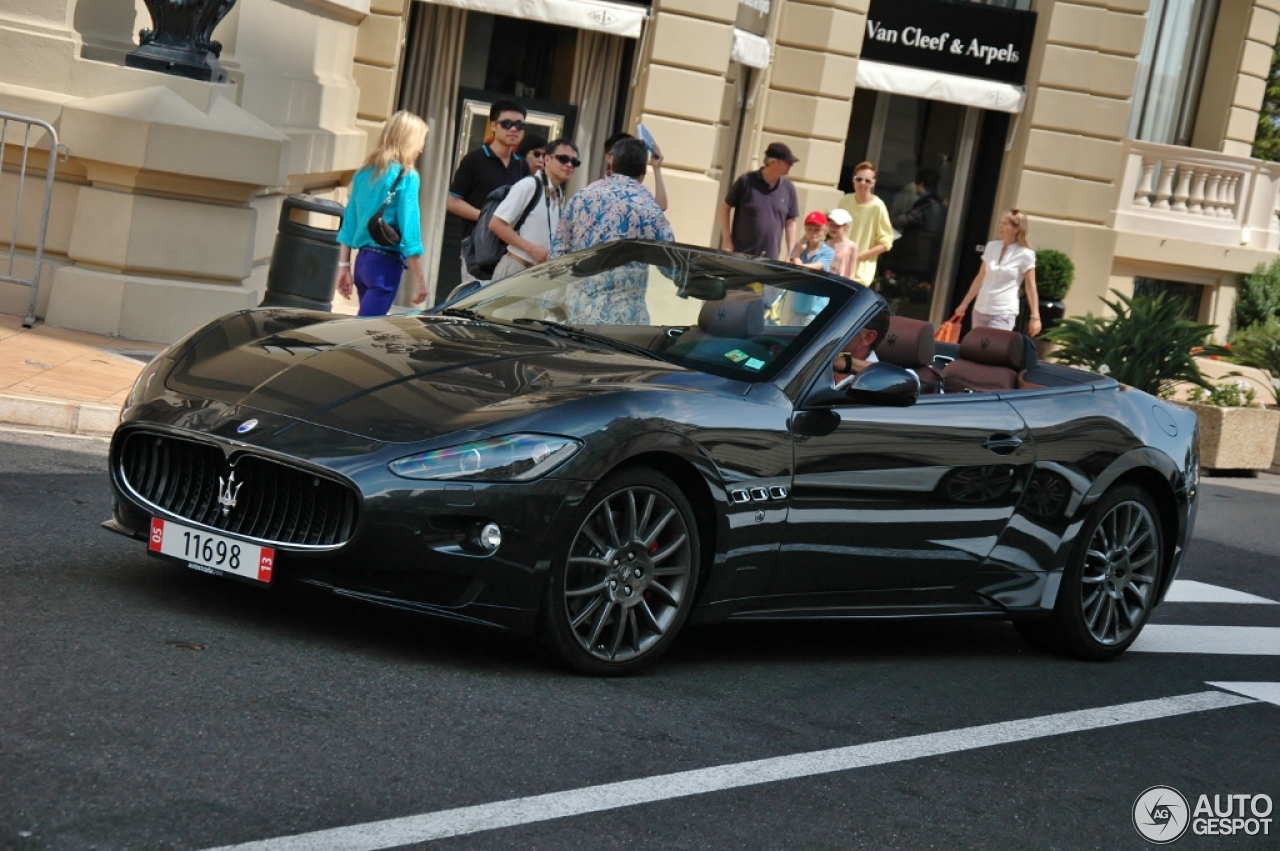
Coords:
1054,274
1259,346
1235,435
1146,344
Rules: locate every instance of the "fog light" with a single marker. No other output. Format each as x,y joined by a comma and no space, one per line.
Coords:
488,537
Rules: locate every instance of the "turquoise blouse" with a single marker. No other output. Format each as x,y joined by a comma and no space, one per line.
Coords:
367,194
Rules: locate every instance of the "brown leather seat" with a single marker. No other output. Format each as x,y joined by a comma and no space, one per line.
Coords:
990,360
909,344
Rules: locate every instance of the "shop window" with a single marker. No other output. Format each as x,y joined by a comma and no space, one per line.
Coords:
1188,295
1171,66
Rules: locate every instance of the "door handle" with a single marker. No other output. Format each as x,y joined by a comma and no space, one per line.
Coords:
1002,444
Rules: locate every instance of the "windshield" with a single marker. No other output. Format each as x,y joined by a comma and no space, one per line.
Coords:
729,316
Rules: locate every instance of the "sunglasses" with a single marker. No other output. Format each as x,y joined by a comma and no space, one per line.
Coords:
565,159
508,124
864,180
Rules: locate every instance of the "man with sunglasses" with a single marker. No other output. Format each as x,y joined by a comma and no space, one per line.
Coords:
528,217
487,168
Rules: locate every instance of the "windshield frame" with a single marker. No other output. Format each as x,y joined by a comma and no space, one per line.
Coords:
687,267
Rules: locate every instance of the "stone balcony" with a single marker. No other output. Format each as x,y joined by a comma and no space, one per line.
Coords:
1196,196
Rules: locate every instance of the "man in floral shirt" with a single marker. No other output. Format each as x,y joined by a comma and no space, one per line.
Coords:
617,207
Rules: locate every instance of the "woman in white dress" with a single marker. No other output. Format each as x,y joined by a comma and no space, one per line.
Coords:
1006,263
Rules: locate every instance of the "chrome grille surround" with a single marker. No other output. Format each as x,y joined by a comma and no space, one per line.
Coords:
277,504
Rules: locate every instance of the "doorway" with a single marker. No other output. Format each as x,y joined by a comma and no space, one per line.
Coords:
925,153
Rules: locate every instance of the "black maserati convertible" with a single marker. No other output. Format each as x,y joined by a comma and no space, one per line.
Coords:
603,447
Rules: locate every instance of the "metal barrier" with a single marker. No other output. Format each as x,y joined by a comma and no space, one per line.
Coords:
57,152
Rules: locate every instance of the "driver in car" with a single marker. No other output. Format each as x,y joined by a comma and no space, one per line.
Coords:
860,351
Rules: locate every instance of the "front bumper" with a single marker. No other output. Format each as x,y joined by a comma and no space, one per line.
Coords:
410,548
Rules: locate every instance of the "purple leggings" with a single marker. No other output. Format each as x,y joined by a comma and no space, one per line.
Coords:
377,277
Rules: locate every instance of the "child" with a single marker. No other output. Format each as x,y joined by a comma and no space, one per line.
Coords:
846,250
812,253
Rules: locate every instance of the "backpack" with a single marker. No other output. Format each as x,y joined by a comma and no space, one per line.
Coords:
482,250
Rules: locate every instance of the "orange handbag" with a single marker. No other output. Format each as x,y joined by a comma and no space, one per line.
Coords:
948,332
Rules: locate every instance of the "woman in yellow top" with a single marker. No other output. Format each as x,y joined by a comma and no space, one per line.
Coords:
870,229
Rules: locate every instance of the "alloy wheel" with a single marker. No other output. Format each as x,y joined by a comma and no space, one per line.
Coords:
628,574
1117,585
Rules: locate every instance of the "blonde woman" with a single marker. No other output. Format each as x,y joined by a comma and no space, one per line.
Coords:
389,177
1006,263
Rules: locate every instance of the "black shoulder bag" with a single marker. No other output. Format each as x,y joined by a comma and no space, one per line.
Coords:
379,231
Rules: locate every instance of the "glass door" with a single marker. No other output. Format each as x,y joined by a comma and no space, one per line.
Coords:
924,152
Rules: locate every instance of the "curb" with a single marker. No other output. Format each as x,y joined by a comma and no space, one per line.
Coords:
59,415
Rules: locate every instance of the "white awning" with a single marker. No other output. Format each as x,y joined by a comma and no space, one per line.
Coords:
624,19
934,85
750,49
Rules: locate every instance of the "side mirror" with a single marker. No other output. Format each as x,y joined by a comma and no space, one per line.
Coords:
879,384
884,384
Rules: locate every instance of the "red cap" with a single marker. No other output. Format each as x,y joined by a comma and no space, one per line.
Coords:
815,218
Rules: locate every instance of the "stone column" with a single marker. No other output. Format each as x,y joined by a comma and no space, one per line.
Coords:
378,62
1235,81
678,96
1082,72
164,230
810,93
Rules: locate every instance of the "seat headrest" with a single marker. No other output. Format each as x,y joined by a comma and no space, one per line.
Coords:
741,316
908,344
994,347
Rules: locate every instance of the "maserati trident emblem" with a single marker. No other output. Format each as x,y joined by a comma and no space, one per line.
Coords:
247,426
227,491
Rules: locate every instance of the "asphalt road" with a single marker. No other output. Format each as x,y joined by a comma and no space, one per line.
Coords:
146,706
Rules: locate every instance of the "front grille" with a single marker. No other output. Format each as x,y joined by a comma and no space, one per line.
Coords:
275,503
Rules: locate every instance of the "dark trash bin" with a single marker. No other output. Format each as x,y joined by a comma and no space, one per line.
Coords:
304,262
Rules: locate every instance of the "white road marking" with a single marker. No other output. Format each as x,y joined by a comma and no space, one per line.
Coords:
1270,692
1224,640
392,833
1190,591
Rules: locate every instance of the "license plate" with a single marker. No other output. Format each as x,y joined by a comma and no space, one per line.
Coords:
211,553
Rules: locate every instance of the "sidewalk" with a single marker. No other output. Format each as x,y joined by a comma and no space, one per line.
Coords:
52,379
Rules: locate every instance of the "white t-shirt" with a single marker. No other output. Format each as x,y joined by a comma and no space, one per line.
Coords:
1003,277
543,219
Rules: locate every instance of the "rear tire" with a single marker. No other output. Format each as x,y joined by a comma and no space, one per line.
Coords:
624,585
1109,585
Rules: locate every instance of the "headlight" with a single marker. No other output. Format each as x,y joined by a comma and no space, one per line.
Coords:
513,458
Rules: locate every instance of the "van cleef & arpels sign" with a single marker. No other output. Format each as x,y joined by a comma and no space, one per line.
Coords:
954,37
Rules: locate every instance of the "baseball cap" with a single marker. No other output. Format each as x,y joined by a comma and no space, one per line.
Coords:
779,151
815,218
839,216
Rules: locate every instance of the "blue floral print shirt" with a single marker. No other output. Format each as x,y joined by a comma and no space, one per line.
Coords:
614,208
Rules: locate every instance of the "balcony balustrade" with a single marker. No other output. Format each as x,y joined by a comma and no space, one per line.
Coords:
1200,196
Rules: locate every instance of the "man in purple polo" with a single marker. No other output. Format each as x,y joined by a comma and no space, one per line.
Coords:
764,206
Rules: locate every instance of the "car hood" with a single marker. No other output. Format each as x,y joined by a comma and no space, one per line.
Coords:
399,379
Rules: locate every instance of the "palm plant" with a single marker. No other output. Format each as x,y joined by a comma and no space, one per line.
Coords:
1147,344
1258,346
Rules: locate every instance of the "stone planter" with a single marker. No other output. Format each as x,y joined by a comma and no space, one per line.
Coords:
1236,438
1275,460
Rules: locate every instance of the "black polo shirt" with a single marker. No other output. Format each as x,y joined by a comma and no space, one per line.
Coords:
761,212
481,172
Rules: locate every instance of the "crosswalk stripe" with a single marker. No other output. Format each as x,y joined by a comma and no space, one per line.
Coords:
1191,591
1270,692
1223,640
396,832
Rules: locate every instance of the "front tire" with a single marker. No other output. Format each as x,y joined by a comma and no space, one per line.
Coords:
1109,586
624,587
